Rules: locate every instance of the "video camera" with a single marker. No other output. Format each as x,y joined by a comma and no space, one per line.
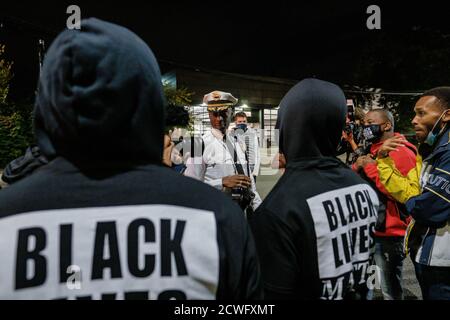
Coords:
351,126
353,130
243,197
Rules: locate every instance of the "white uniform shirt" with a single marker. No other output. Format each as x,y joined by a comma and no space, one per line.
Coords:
217,163
250,142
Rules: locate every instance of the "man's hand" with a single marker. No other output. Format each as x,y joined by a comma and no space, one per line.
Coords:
363,161
279,161
347,136
236,181
389,145
167,152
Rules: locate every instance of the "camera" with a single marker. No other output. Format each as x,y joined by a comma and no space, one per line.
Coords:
351,110
350,128
243,197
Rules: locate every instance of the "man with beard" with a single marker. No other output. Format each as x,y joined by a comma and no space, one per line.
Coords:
426,192
314,231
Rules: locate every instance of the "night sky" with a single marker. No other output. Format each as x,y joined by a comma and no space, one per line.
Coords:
281,39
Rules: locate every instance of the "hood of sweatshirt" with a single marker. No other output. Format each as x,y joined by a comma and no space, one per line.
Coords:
311,119
100,97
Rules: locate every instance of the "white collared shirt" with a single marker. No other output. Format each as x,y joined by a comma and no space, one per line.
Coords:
217,163
249,141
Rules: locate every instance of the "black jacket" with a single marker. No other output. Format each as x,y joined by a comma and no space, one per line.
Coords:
103,219
314,230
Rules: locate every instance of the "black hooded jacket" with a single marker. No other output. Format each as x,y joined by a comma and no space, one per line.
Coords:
104,219
314,230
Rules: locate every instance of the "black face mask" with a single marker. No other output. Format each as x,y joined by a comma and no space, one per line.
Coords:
372,132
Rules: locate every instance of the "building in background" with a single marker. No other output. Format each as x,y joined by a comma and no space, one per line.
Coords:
258,96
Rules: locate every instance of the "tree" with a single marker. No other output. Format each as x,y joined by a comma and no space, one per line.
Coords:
401,106
15,119
5,76
177,115
178,97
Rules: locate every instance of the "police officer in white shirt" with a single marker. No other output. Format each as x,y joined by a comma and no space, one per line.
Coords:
223,163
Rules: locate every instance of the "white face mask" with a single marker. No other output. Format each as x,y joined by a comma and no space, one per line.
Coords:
432,135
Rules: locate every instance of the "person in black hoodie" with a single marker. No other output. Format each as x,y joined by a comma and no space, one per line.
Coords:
104,219
314,230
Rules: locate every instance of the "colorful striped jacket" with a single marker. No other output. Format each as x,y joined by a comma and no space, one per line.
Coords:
395,224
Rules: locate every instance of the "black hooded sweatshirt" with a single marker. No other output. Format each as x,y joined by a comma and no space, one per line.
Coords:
314,230
104,220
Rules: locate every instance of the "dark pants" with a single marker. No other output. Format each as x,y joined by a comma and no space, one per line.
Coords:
389,258
434,281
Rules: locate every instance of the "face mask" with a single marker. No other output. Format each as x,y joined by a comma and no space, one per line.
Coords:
435,133
372,132
241,126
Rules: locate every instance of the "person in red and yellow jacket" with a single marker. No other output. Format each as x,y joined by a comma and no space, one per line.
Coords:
392,216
